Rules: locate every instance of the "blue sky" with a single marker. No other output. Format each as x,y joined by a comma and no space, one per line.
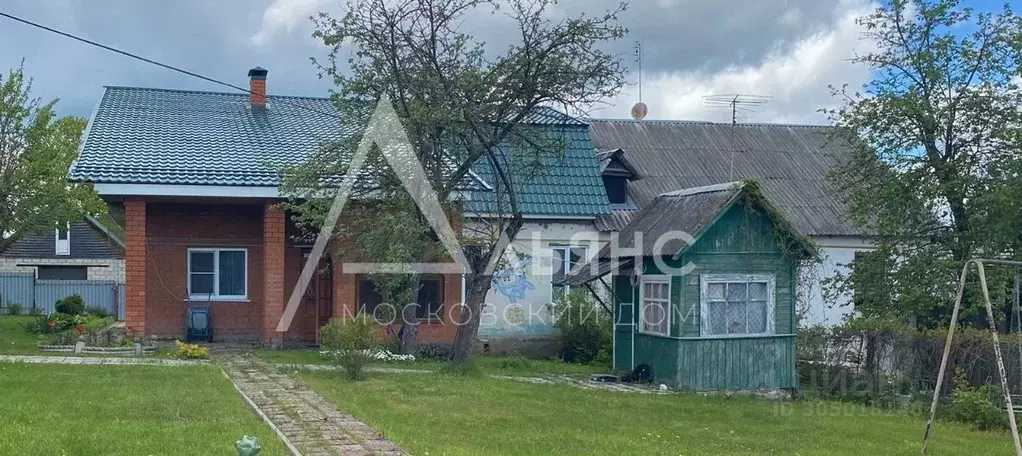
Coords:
787,49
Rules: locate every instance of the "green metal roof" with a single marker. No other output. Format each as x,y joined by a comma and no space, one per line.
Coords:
178,137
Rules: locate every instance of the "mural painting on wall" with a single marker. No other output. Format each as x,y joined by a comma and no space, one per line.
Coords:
515,305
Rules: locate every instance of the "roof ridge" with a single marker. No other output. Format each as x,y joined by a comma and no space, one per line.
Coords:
704,189
211,92
708,122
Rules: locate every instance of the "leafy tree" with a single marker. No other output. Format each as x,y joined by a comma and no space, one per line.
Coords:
937,136
36,151
464,103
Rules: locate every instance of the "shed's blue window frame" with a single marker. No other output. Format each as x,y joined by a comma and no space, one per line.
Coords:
736,305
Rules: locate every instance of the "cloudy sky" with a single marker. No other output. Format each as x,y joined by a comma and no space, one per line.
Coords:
789,50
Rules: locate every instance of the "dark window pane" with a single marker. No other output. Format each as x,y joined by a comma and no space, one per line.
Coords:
232,273
430,298
576,257
201,283
558,266
368,297
616,189
63,272
201,262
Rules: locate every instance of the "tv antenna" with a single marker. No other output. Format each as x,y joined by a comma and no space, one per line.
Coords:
737,102
639,110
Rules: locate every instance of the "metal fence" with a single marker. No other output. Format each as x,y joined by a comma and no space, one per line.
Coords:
42,295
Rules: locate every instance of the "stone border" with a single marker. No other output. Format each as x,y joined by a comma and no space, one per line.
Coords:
262,415
97,360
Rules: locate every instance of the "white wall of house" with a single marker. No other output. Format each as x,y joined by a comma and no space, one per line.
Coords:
519,298
110,270
836,253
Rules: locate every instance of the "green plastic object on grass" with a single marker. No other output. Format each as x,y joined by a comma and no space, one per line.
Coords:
247,446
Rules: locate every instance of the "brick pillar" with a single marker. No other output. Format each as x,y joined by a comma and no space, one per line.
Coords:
344,290
273,273
135,265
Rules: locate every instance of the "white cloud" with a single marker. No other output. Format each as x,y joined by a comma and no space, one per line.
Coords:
284,16
796,77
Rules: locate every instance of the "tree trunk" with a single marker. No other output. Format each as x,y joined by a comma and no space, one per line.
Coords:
477,286
409,331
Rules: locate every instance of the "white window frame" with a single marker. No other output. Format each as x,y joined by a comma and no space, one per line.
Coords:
62,247
704,303
658,279
216,296
566,249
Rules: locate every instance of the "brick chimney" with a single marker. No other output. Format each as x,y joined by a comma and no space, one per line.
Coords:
257,87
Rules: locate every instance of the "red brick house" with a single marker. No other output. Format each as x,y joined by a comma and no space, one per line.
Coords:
191,177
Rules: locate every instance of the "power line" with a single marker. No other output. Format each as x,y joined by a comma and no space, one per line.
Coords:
151,61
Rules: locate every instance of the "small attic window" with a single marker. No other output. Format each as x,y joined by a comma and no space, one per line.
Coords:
617,189
62,240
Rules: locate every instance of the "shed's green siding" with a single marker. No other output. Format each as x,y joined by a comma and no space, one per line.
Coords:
741,241
623,323
735,364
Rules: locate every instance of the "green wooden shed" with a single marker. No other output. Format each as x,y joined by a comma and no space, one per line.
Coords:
703,289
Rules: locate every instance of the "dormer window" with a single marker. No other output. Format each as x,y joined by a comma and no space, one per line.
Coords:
617,189
63,240
616,172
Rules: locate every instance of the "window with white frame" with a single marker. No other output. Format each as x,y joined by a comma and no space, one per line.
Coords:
216,273
565,258
655,302
736,304
63,240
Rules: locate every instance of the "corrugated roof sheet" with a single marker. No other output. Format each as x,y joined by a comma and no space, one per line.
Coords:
791,163
161,136
689,212
567,183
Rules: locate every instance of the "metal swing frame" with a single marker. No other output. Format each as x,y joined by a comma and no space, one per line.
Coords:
979,263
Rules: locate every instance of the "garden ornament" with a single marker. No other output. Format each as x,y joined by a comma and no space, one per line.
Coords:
247,446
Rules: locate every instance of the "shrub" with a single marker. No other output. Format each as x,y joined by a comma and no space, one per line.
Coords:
584,326
71,305
14,309
190,351
972,405
350,343
516,362
96,311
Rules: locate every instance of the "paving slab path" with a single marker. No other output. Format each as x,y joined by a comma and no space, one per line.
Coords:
308,423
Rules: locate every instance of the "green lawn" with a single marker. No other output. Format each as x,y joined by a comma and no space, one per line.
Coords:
14,340
494,365
124,410
457,415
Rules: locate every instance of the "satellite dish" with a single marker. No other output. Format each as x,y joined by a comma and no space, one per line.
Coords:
639,111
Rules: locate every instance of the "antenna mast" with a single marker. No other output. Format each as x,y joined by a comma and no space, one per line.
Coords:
736,102
639,110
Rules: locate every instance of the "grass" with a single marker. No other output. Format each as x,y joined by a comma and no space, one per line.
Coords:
126,410
457,415
14,340
493,365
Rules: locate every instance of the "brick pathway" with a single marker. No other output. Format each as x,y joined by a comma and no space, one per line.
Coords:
310,424
92,360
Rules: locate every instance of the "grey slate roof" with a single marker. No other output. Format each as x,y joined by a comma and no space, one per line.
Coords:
790,162
160,136
690,211
88,241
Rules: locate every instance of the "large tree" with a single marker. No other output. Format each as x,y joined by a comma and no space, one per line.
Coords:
464,103
937,139
36,149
